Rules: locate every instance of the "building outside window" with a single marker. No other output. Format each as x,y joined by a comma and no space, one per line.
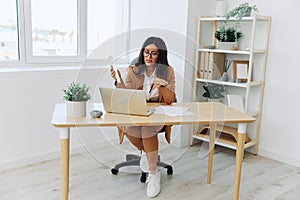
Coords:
58,31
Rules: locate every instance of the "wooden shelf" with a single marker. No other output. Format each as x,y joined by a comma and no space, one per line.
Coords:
242,52
224,140
256,32
226,83
224,51
254,17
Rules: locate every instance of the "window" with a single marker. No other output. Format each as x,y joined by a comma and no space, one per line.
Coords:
54,27
8,31
56,31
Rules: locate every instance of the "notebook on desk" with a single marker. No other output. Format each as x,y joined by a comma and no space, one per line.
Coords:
125,101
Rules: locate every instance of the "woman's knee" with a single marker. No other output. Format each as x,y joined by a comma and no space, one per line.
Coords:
134,131
136,141
150,131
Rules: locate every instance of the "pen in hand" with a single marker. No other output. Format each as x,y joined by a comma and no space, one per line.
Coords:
151,88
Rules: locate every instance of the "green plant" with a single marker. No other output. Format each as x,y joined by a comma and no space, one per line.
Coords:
213,91
240,11
228,34
77,92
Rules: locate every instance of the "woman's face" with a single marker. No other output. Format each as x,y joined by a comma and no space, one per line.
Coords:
150,55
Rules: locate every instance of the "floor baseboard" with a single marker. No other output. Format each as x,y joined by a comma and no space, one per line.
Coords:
279,157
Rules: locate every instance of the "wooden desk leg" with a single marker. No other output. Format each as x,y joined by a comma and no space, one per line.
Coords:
64,156
239,158
212,135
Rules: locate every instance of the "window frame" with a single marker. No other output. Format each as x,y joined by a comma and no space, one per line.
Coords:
81,39
24,29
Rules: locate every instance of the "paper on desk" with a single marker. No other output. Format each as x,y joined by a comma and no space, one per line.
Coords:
172,110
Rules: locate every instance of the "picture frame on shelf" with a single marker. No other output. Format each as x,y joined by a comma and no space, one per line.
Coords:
240,71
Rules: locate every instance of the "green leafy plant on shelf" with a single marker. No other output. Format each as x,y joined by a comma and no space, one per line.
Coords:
240,11
237,13
213,91
228,34
77,92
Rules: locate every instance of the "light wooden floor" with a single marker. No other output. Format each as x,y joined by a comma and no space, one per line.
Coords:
262,178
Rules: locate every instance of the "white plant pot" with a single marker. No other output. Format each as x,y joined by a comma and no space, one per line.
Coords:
227,45
216,100
76,109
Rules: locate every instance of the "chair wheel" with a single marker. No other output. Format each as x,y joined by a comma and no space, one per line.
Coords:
114,171
143,177
169,170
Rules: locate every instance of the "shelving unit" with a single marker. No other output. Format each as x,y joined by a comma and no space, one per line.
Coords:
253,47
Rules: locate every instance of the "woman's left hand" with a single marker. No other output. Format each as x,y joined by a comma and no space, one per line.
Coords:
159,82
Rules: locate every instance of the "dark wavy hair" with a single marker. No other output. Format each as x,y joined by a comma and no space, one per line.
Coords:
162,60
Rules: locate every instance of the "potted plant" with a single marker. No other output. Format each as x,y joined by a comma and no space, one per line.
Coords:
76,96
227,33
227,37
240,11
213,91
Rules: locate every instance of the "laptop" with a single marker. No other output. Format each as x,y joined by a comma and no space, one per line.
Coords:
125,101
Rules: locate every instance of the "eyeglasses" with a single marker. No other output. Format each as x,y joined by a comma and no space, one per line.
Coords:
153,54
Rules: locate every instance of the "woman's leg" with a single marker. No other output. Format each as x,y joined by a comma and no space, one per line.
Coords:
133,133
145,138
150,144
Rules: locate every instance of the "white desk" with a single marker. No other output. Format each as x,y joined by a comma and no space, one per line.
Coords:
204,113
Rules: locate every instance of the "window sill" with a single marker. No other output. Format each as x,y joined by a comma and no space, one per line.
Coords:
45,67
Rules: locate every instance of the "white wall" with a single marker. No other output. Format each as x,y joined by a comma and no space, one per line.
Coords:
279,132
28,98
27,103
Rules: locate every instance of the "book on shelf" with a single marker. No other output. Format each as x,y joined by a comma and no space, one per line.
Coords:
211,65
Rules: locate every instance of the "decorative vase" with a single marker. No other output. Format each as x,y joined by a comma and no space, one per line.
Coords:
224,76
76,109
220,8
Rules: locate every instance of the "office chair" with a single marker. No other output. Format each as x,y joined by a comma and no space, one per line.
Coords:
134,160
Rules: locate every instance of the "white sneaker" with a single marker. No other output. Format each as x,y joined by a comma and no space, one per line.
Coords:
153,187
144,165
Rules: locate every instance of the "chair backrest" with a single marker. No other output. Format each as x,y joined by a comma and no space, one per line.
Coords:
134,61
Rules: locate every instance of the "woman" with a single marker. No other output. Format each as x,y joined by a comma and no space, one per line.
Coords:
156,78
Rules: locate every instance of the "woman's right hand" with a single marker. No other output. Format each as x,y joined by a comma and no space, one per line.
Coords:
114,75
113,72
